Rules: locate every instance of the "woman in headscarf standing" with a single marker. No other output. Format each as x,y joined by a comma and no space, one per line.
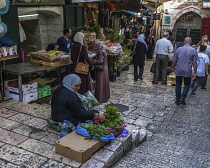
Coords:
83,57
102,90
66,104
140,49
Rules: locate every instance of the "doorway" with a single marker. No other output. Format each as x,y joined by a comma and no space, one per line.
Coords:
188,25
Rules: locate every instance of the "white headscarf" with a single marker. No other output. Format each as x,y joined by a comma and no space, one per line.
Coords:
79,37
142,38
70,81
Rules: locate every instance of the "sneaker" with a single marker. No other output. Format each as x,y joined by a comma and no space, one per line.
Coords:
192,94
183,102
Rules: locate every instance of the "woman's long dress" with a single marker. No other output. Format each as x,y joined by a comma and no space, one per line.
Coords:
102,90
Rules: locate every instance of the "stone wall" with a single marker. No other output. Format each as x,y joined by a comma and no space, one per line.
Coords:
43,31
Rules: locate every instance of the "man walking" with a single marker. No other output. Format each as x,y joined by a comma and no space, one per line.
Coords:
162,48
184,58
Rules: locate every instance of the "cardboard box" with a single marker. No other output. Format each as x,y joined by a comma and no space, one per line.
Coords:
76,147
26,97
12,86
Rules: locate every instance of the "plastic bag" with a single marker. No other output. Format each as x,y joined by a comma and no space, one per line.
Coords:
90,96
84,132
88,100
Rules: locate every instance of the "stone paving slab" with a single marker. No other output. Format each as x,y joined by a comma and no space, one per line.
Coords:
46,150
5,164
21,157
53,164
6,112
29,120
11,137
8,124
31,132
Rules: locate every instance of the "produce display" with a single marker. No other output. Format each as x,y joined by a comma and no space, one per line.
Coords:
50,56
96,130
114,48
113,119
113,126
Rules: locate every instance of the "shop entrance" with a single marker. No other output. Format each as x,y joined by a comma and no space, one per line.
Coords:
189,24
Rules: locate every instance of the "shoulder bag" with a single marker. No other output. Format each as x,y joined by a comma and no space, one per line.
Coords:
81,67
99,67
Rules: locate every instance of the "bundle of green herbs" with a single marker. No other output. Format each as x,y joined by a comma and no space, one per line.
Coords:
96,130
113,119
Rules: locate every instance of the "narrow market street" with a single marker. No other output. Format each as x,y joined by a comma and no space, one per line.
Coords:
177,136
181,135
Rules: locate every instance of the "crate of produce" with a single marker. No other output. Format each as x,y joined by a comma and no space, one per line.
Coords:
44,90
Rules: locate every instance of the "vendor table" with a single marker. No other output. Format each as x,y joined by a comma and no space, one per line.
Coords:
28,68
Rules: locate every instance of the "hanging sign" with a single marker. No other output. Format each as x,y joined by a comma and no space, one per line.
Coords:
79,1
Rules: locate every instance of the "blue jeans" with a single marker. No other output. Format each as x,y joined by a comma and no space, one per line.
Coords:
179,93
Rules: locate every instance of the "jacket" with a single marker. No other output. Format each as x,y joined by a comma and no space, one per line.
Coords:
66,105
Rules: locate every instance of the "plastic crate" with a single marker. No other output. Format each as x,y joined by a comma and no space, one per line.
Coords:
43,90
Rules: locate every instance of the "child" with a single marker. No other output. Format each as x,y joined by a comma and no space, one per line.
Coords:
202,68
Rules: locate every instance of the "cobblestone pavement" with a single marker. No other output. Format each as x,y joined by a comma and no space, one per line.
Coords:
181,135
176,136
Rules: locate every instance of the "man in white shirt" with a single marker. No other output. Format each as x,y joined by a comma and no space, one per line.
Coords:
162,48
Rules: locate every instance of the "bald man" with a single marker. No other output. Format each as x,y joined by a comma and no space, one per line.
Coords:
184,58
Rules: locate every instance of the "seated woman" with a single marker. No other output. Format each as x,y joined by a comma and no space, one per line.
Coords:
66,104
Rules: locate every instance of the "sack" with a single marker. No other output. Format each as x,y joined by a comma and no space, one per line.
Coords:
153,67
82,68
99,67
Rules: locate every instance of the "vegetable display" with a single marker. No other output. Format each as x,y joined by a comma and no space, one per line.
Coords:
113,119
96,130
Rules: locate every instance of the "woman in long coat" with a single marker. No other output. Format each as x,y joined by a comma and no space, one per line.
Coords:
102,91
140,49
75,48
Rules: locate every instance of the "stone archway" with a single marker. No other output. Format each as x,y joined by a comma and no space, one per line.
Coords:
186,10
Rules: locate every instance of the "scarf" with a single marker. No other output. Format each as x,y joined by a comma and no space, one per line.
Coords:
141,39
79,37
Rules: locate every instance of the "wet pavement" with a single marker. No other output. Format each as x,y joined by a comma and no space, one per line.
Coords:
177,136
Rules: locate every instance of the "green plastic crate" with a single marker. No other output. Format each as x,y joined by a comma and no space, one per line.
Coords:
43,90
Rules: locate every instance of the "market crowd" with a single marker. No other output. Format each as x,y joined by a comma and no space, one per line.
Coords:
190,64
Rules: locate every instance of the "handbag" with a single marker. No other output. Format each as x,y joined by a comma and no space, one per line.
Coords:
153,67
99,67
81,67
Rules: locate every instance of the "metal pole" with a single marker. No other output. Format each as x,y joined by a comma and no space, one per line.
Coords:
2,83
20,88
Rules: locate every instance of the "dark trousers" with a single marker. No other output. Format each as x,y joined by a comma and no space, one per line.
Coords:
141,70
197,83
179,93
204,79
161,66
